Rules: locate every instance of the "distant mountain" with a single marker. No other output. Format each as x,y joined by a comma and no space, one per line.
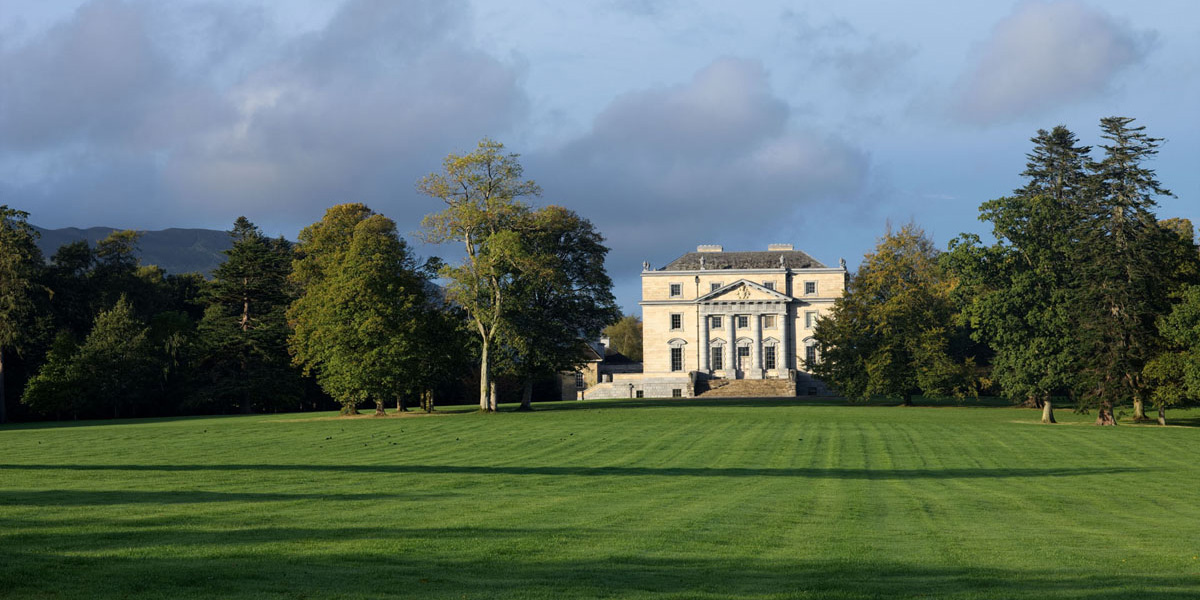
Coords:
175,250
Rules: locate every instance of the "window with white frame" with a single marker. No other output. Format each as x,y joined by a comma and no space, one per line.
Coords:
769,357
676,392
810,355
716,321
810,288
676,321
770,285
718,358
768,321
810,319
676,290
579,383
743,321
676,359
714,286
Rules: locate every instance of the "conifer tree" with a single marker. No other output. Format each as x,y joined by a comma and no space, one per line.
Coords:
243,358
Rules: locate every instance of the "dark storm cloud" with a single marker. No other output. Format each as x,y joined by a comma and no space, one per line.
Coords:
126,98
1043,56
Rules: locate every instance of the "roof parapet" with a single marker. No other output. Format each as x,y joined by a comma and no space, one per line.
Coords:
779,248
710,248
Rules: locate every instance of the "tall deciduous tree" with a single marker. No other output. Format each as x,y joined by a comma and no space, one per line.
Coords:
561,297
893,332
20,261
482,192
356,324
114,369
1174,372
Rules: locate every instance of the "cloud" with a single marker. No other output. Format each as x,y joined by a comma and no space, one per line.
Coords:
718,159
858,63
135,105
1044,55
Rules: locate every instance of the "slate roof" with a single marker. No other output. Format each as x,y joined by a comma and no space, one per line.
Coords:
793,259
612,357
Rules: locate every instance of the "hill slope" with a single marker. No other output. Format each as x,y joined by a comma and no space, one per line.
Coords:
175,250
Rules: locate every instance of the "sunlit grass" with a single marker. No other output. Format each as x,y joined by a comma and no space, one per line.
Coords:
646,499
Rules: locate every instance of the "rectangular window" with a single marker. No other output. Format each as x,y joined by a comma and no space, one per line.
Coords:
579,383
714,286
769,357
639,394
676,290
716,322
810,356
676,359
810,288
743,321
810,319
718,359
768,321
676,321
770,285
676,393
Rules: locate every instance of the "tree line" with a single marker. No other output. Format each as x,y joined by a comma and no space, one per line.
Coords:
1085,296
347,315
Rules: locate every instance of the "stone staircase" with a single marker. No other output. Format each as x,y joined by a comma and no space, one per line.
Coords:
747,388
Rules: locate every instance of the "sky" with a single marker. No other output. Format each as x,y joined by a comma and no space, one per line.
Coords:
667,123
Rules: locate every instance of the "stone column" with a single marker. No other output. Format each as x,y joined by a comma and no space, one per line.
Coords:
704,351
756,346
785,358
731,353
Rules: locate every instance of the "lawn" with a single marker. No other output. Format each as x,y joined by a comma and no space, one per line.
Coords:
623,499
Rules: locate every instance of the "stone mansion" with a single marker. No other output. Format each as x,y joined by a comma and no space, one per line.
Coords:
712,317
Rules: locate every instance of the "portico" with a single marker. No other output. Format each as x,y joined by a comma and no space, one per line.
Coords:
733,321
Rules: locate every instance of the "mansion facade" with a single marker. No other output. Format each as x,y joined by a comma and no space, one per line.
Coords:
712,316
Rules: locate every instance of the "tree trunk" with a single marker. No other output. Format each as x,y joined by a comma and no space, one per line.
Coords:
379,410
3,407
1048,411
907,400
401,406
527,395
427,400
1139,409
1162,415
1105,416
485,380
492,398
349,409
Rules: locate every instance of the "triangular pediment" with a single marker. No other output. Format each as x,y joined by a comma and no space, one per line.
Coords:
744,290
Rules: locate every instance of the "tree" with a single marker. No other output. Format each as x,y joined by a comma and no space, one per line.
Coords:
1126,285
243,358
893,333
20,261
625,336
560,298
1175,372
356,323
482,192
114,369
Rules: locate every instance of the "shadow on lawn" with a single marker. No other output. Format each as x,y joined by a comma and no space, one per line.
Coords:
791,401
108,497
807,473
424,568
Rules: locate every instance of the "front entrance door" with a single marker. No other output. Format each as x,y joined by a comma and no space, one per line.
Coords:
743,355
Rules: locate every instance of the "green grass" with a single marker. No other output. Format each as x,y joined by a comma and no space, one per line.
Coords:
647,499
